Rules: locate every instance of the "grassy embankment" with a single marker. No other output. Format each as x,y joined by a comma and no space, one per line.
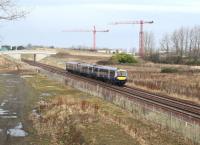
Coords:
68,116
7,64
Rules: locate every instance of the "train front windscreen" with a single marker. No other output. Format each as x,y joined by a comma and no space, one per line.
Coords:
122,73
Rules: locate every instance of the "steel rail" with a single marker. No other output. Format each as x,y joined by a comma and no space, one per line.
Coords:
186,108
189,103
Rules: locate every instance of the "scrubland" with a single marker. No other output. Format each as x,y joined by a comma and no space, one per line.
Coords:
7,64
185,83
67,116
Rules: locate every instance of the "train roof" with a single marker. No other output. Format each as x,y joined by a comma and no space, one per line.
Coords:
122,70
72,62
86,64
105,67
95,66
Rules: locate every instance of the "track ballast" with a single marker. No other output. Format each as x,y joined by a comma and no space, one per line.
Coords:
184,108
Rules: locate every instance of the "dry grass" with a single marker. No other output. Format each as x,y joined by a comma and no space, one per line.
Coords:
73,55
185,85
72,117
66,120
8,64
85,53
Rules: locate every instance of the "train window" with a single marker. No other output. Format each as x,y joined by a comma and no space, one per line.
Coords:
112,73
84,68
104,72
96,70
90,69
121,73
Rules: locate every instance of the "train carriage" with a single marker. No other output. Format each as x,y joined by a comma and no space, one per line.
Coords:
103,73
72,66
86,69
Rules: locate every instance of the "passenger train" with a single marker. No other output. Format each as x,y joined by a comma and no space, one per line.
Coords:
104,73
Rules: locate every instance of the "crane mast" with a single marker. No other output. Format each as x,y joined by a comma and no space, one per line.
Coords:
94,31
141,33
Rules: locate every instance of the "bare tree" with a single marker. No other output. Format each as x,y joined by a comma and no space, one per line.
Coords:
186,47
197,43
149,43
175,42
191,43
181,35
182,43
9,10
165,43
194,45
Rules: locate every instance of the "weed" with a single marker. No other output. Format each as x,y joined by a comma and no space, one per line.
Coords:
169,70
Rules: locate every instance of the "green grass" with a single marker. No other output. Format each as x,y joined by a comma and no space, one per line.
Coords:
169,70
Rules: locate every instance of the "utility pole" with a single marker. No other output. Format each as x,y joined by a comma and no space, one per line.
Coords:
141,33
94,31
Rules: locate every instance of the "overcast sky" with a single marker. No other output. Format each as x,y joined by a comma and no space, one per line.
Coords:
47,19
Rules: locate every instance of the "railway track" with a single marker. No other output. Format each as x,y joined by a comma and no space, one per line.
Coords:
182,107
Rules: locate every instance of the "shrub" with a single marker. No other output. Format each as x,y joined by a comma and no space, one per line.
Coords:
154,58
193,62
122,58
169,70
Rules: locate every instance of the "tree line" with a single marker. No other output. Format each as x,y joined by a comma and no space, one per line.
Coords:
180,46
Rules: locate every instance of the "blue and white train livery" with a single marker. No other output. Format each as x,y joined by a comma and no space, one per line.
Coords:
105,73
